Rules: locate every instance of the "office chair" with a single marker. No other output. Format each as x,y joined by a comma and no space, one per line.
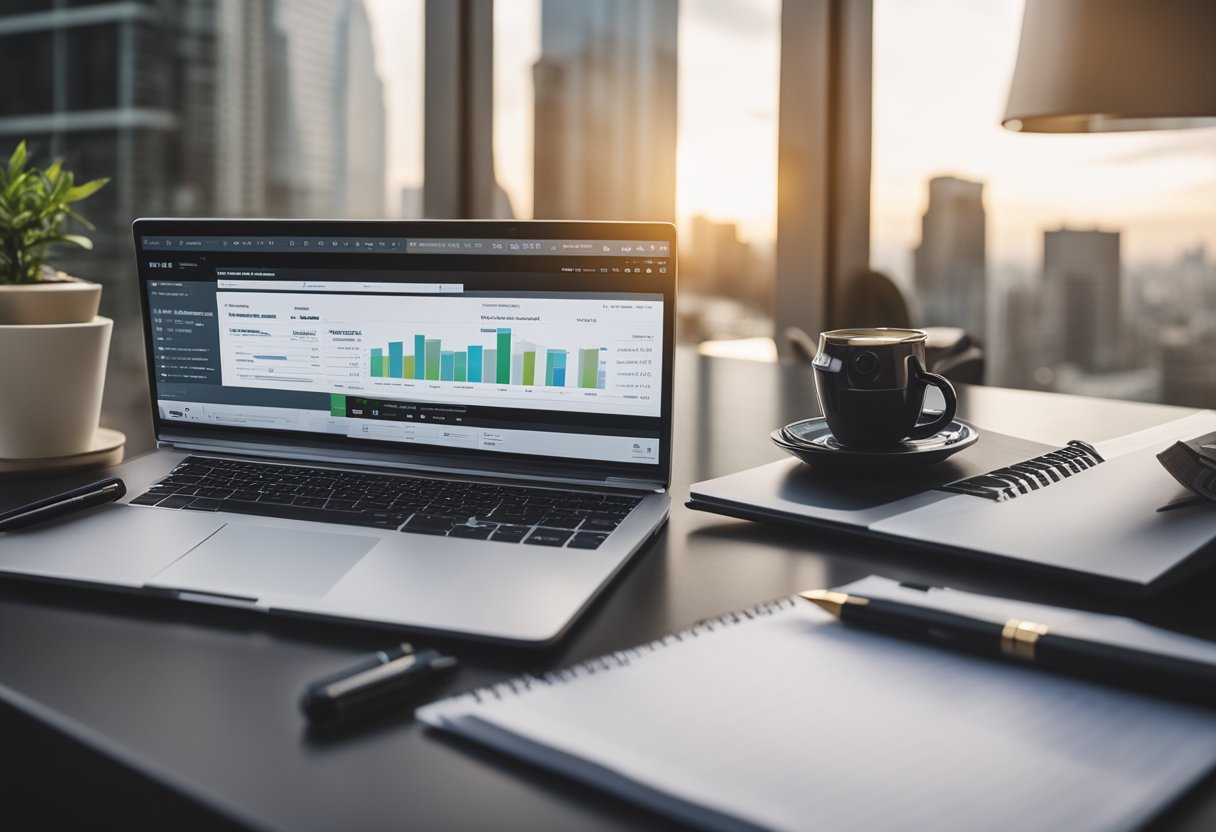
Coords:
873,299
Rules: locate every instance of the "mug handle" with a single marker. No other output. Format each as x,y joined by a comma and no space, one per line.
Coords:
934,380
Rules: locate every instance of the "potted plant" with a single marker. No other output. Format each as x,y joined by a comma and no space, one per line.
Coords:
53,345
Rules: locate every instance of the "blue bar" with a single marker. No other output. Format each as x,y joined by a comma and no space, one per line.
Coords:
396,355
447,365
559,376
419,356
475,363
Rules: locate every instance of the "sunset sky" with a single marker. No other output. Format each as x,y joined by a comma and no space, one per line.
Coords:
942,70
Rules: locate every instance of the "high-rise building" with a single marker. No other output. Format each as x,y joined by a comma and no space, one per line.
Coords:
718,264
364,121
949,264
315,134
605,115
94,86
1013,350
1188,373
1081,276
227,75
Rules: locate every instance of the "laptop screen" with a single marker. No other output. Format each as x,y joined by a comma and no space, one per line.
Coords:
547,343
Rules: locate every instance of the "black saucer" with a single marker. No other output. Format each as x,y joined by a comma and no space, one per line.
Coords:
812,442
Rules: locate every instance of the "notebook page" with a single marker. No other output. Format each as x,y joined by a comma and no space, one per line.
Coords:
792,721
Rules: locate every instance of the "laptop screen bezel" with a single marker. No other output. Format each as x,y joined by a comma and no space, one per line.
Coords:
311,445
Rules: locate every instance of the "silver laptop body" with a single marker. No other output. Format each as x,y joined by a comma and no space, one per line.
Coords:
434,360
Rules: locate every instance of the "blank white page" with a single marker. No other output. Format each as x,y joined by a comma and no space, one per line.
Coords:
791,720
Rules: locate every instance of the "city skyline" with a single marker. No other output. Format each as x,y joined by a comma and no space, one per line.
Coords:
1158,188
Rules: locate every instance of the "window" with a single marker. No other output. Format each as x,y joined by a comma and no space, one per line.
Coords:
654,111
290,108
27,85
1085,263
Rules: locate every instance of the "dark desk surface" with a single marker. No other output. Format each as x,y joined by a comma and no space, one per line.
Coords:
195,706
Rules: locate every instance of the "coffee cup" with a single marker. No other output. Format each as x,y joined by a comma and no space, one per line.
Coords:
871,384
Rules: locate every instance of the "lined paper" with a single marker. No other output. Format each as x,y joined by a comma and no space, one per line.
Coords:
790,720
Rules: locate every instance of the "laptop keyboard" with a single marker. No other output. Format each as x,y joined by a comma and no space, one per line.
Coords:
455,508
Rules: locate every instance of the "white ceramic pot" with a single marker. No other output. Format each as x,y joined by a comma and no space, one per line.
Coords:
51,380
59,300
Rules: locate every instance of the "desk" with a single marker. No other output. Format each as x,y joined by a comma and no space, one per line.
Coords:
201,702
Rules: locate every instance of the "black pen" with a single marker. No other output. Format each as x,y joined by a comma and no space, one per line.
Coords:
1029,642
381,679
48,508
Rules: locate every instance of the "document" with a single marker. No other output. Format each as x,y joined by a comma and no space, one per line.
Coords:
781,718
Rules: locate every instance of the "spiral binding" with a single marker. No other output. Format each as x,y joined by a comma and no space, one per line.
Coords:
1023,477
622,658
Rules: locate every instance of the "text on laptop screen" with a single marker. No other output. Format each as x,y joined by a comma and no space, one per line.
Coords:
541,348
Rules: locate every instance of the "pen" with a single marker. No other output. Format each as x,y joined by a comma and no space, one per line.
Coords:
1028,642
381,679
58,505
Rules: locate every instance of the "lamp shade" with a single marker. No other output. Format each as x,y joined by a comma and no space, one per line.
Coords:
1088,66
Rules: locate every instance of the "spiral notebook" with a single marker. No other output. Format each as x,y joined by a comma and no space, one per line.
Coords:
1085,511
779,717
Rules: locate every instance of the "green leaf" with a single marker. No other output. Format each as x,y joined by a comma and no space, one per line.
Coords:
74,239
34,208
80,219
79,192
16,162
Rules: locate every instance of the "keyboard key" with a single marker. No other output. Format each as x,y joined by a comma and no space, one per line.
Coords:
148,499
548,537
429,524
176,501
478,532
561,521
515,518
598,525
510,534
587,541
204,504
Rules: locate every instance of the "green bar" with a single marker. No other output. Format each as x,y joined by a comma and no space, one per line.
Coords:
337,404
419,356
384,367
432,359
461,366
588,367
549,369
529,367
377,363
407,363
504,356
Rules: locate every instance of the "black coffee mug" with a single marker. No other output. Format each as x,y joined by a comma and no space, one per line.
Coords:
871,385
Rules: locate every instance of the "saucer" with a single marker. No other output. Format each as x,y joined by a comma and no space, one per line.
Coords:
106,450
812,442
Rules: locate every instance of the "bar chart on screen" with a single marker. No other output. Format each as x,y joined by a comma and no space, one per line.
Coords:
506,365
600,355
508,361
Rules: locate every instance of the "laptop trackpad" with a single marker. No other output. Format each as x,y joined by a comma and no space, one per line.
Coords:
255,561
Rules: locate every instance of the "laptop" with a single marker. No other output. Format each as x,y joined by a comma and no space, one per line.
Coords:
452,427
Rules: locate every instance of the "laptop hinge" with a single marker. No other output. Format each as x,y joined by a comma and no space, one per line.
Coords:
636,485
216,598
280,454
